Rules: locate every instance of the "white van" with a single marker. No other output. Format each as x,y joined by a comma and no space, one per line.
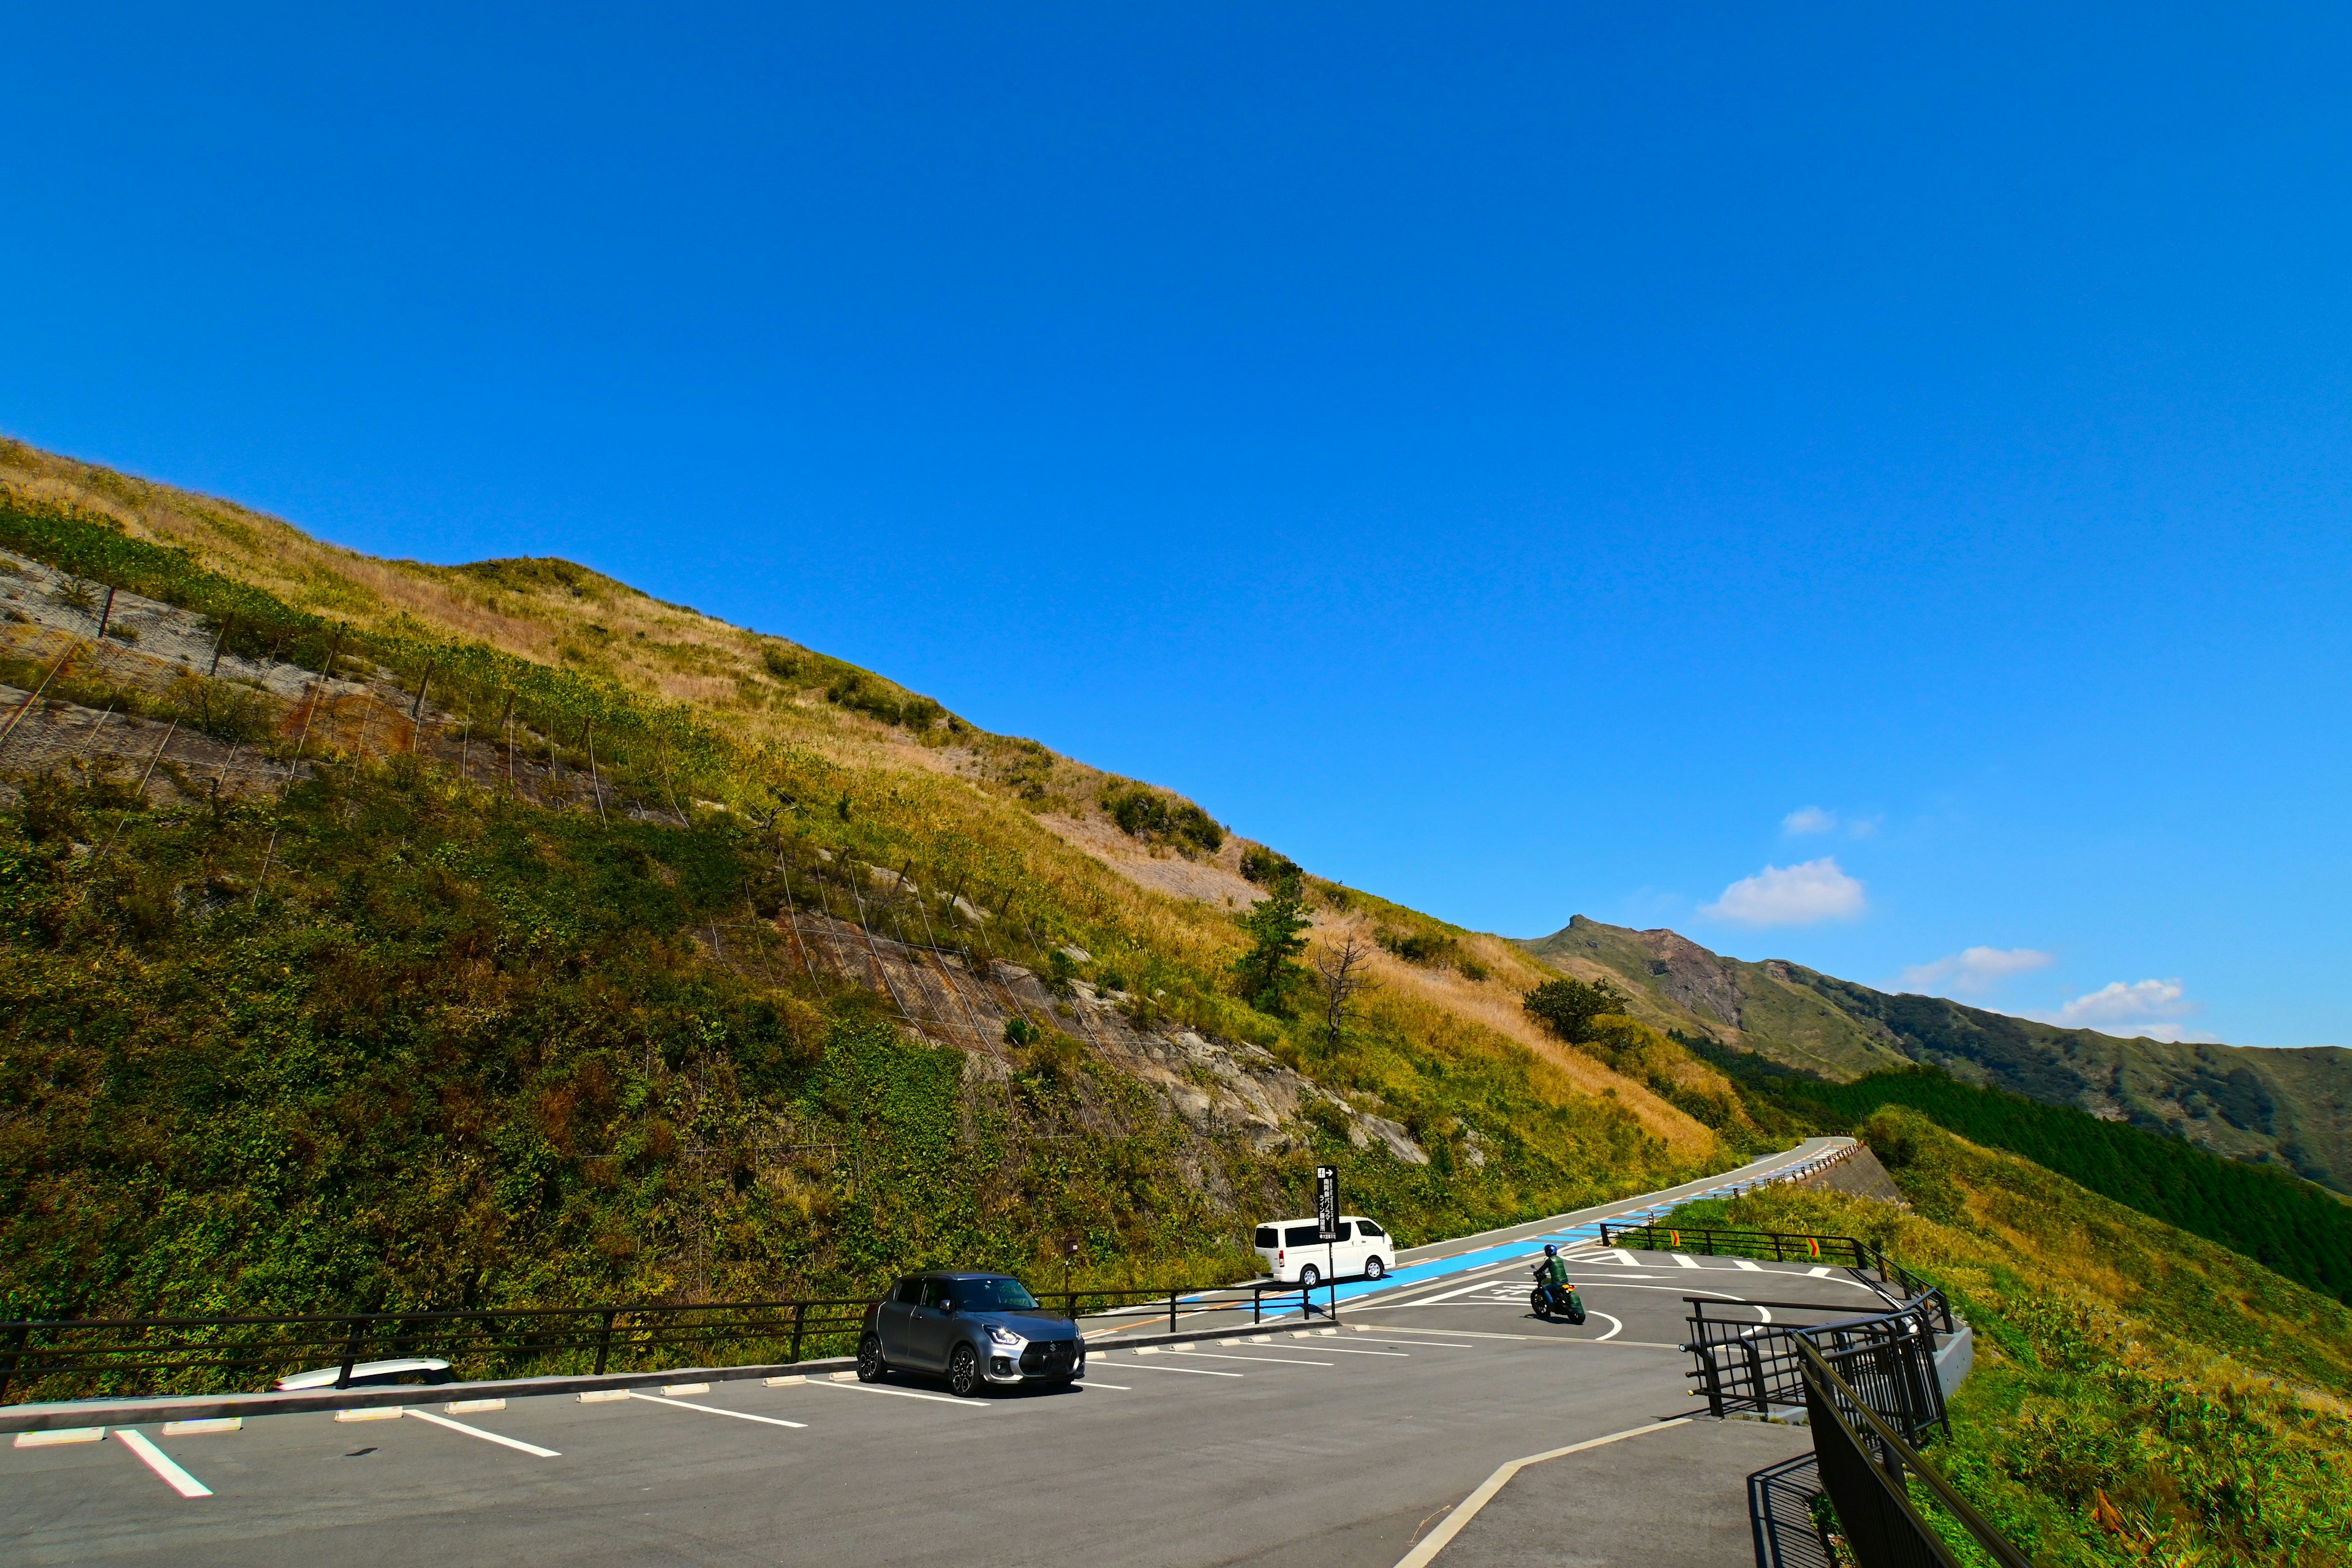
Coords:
1294,1257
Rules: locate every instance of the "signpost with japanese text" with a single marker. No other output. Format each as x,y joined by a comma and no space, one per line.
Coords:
1326,1226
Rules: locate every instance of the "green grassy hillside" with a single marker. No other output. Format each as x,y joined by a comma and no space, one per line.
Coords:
383,935
2283,1223
2290,1108
2208,1399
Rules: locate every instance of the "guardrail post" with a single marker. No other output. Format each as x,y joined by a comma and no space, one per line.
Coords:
1171,1312
800,1319
1257,1312
1335,1300
350,1355
16,1358
605,1342
1756,1375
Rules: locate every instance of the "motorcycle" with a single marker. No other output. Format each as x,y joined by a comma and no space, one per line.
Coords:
1549,1297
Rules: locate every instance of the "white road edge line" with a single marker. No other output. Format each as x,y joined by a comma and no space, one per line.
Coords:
1422,1554
901,1393
516,1443
714,1410
178,1479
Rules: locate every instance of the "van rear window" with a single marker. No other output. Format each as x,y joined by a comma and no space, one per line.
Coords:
1300,1236
1266,1236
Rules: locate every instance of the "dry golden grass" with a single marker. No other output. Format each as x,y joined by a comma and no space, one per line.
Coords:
1178,908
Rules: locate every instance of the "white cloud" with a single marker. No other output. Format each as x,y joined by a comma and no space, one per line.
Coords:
1809,819
1972,971
2149,1007
2117,1002
1790,895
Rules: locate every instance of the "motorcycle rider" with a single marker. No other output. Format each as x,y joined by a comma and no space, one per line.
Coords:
1552,1274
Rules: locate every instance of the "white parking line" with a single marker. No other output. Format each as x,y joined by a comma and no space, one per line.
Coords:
901,1393
1120,1387
714,1410
1427,1344
1194,1371
1343,1349
1285,1360
516,1443
178,1479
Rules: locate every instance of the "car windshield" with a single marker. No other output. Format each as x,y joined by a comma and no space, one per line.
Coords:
993,1296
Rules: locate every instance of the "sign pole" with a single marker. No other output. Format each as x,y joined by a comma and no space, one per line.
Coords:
1326,1226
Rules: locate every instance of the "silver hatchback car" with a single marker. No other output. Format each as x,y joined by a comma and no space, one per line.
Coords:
977,1329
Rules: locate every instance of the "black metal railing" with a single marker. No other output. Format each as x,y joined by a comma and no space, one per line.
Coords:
130,1357
1893,1282
1867,1467
137,1356
1180,1301
1742,1366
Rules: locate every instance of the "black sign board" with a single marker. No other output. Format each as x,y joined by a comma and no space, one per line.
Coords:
1327,1203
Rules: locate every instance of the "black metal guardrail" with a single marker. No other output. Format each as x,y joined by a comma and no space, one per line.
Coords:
1873,1266
82,1358
1746,1367
1866,1468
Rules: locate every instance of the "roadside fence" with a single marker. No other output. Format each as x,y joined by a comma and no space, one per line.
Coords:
128,1357
1868,1469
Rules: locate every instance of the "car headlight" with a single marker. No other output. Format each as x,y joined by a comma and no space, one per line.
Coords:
1002,1336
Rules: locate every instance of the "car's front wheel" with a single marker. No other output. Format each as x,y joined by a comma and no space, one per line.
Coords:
1310,1277
870,1364
1374,1268
963,1372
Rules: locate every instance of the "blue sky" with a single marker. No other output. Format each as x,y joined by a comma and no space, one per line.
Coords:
1867,489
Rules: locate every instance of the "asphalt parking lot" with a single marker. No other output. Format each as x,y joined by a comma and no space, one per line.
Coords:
1321,1445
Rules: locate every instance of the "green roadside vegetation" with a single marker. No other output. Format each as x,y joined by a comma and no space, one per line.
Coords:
2206,1399
2290,1225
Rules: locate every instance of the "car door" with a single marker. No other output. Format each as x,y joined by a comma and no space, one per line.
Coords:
1348,1255
929,1324
894,1320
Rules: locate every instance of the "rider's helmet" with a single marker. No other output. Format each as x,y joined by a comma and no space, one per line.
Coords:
1551,1249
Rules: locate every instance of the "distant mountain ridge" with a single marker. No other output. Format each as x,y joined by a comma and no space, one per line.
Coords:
2292,1108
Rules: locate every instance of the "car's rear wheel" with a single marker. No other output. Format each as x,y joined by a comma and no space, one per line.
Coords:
1374,1268
870,1364
963,1372
1310,1277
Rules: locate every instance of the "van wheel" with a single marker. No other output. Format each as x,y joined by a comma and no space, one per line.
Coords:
963,1372
870,1364
1310,1277
1374,1268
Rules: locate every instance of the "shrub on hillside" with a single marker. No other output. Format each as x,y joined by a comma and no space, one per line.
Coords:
1265,867
1567,1007
1144,813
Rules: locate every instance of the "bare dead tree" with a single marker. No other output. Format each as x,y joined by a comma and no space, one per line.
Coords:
1343,972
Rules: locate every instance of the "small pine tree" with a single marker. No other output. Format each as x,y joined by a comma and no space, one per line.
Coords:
1270,972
